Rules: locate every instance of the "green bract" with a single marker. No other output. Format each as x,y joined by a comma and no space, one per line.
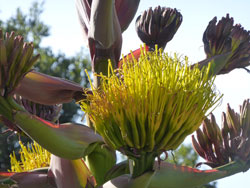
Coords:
152,104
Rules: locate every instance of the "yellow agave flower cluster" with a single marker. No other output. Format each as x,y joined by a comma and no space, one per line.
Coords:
150,104
31,157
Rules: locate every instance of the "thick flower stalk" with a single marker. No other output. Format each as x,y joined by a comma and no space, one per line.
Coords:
47,112
104,36
230,143
158,26
152,105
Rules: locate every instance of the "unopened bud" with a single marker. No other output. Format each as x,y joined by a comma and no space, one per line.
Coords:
158,26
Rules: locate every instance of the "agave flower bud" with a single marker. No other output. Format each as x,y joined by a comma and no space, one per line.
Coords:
216,37
16,59
158,26
209,144
47,112
153,107
229,143
225,37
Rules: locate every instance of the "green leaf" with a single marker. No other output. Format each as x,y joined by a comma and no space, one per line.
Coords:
66,140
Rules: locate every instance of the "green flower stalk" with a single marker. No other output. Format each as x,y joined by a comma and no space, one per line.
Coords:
152,105
104,36
47,112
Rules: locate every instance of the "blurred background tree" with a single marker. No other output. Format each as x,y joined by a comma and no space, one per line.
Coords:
32,28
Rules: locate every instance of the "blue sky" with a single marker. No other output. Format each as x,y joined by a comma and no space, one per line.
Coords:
66,37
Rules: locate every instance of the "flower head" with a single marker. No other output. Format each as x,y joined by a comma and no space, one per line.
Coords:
231,142
16,59
31,157
225,37
152,106
158,26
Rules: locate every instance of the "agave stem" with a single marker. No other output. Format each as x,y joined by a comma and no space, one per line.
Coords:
143,164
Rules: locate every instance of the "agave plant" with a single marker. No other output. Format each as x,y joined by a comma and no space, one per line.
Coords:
143,105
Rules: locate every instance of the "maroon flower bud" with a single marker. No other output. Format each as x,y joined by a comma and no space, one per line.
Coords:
231,142
158,26
225,37
47,112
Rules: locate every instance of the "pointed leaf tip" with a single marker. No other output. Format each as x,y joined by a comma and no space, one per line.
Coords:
48,90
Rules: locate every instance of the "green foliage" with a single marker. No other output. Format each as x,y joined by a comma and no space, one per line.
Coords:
28,25
184,155
33,29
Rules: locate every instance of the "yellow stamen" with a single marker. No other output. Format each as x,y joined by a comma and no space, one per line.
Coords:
151,104
31,157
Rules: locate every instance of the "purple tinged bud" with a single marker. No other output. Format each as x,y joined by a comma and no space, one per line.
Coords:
158,26
225,37
47,112
229,143
16,59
